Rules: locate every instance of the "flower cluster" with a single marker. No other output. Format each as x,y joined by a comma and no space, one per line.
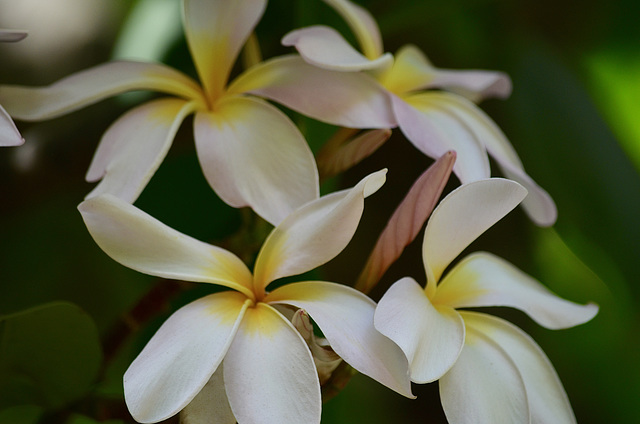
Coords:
247,354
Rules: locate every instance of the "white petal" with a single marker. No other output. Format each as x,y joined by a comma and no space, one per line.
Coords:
315,233
143,243
461,217
483,279
182,355
538,204
324,47
269,372
134,146
548,402
216,30
362,24
11,35
484,386
434,131
253,155
210,404
412,71
347,99
345,317
431,336
9,134
92,85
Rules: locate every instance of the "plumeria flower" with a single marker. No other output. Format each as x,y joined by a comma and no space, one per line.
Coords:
250,152
490,371
235,347
433,107
9,134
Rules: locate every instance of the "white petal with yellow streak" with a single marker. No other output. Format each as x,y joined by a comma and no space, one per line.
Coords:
215,31
181,357
482,279
253,155
431,336
461,217
269,372
315,233
92,85
143,243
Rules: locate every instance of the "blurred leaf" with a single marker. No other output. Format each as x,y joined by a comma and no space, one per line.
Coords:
50,355
614,78
23,414
81,419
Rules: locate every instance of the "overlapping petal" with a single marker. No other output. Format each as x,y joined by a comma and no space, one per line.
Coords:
253,155
181,357
9,134
210,404
143,243
216,30
92,85
430,335
346,99
538,205
548,402
482,279
461,217
345,317
269,372
362,24
484,385
134,146
334,161
324,47
435,131
412,71
315,233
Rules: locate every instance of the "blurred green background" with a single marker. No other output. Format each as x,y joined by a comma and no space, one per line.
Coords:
574,118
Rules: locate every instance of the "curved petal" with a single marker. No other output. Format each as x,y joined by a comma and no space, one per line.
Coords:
216,30
134,146
548,402
484,385
406,221
269,372
92,85
253,155
347,99
315,233
362,24
482,279
435,131
323,46
431,336
9,134
11,35
412,71
461,217
345,317
210,404
181,357
538,205
143,243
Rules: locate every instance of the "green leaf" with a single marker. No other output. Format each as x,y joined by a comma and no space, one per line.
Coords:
50,355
